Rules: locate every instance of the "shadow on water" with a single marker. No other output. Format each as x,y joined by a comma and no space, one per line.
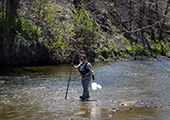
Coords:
88,100
131,90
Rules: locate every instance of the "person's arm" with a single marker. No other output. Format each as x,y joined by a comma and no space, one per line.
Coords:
89,66
76,67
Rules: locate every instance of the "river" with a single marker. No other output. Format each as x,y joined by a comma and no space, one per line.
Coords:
131,90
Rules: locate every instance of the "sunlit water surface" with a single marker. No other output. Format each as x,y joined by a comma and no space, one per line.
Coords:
132,90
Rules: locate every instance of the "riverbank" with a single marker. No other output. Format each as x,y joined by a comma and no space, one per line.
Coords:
136,58
102,30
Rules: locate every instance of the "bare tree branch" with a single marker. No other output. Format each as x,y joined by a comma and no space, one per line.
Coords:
148,26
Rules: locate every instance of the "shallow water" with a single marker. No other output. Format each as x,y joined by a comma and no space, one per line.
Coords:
132,90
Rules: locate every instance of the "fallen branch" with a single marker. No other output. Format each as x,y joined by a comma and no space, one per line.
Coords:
149,26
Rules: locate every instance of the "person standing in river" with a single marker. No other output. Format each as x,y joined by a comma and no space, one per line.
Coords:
86,71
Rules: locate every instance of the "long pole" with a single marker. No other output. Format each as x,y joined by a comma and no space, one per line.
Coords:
69,77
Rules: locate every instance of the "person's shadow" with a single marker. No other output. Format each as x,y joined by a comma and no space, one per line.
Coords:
87,100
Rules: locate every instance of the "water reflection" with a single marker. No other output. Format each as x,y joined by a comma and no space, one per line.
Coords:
140,89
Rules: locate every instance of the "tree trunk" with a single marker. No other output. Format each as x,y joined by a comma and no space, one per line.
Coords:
11,10
147,42
130,14
142,13
166,11
153,35
10,26
163,24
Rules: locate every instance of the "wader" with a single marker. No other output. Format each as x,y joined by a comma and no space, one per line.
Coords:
86,84
86,78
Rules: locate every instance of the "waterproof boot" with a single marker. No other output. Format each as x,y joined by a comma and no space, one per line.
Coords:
87,95
82,97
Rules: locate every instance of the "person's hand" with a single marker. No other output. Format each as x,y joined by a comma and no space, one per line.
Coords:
93,77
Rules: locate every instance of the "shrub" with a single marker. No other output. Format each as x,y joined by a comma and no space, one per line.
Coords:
101,57
87,32
164,48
